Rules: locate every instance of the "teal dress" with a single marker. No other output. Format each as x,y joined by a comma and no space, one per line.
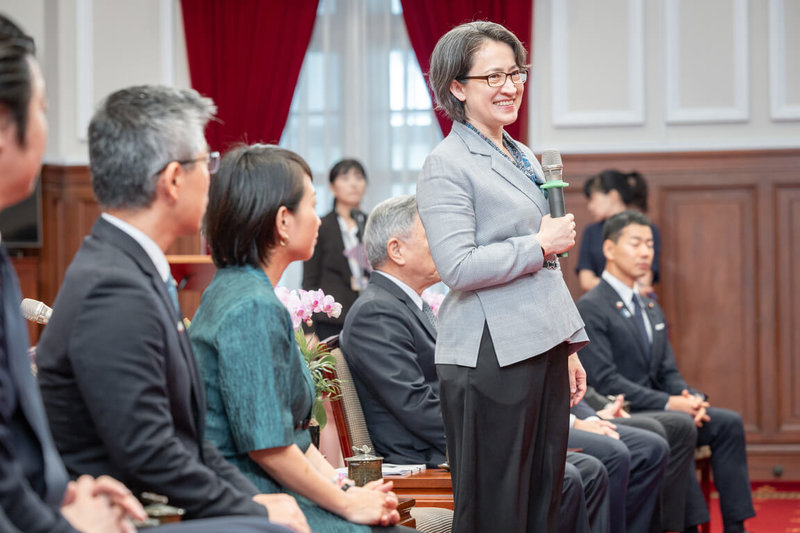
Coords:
259,391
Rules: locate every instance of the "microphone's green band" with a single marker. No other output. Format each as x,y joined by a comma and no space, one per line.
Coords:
554,184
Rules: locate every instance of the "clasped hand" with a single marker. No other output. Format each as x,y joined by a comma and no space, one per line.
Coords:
372,504
103,505
691,404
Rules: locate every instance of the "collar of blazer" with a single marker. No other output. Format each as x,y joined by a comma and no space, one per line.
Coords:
612,299
392,288
503,167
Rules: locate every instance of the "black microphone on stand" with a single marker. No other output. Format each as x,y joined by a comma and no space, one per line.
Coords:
553,169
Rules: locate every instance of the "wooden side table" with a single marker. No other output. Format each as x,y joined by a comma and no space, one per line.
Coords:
431,488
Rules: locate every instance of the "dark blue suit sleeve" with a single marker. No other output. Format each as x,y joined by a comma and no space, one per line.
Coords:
583,411
20,503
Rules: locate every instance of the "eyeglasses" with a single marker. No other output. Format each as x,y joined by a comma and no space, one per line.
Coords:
211,159
498,79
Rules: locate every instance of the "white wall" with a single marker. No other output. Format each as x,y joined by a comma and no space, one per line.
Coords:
647,75
89,48
616,75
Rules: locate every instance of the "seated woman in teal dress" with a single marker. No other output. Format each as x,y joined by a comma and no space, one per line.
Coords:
261,217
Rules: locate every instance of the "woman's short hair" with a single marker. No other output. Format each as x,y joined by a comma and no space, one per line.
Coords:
344,166
632,187
16,78
453,56
252,183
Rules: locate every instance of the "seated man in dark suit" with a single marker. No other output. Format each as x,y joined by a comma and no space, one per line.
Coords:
388,341
630,354
116,369
35,494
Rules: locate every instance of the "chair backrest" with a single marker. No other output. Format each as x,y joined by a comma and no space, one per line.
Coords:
347,412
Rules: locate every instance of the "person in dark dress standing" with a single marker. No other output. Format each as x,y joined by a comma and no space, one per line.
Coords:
339,265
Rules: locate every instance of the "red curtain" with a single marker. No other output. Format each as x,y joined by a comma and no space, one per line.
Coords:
427,21
246,55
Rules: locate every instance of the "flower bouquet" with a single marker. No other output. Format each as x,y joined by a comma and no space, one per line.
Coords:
302,305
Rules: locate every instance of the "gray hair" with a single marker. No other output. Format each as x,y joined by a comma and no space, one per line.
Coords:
453,56
394,217
135,133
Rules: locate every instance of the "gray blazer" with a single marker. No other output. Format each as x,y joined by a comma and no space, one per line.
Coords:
481,214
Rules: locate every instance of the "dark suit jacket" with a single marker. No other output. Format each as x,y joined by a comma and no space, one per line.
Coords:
388,343
616,360
329,270
121,387
32,476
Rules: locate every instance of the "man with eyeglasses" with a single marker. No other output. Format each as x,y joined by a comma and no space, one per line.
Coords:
116,370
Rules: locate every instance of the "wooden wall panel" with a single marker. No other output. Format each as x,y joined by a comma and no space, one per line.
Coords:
788,291
730,287
709,261
68,212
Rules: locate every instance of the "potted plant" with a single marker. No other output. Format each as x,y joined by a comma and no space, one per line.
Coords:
302,305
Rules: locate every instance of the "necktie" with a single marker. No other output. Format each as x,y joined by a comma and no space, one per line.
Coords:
426,308
172,289
638,317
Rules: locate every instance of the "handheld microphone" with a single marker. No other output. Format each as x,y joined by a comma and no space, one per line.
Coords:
35,311
553,168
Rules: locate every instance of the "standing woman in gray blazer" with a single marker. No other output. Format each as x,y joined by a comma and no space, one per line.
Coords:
508,329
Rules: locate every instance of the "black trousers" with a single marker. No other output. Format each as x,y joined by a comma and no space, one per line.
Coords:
682,503
506,431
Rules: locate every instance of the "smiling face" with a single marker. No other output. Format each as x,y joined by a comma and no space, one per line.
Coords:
631,256
490,108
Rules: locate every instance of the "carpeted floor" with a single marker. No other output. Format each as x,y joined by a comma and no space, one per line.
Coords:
777,508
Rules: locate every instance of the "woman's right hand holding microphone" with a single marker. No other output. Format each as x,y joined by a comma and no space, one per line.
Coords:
556,235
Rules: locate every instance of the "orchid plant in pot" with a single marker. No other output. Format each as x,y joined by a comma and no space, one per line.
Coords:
302,305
